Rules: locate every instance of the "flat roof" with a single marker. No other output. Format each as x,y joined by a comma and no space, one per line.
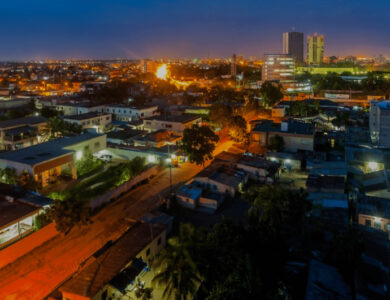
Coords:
22,121
111,260
88,115
294,127
10,212
45,151
175,119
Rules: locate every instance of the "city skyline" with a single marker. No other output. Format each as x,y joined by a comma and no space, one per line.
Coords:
77,29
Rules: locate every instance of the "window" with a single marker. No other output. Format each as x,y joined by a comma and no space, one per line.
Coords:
368,223
377,225
159,240
148,252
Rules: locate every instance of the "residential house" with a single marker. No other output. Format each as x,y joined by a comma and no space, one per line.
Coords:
18,209
297,136
21,132
172,123
129,113
46,161
114,270
374,212
92,120
222,179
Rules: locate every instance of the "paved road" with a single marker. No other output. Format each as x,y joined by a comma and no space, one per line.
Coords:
36,274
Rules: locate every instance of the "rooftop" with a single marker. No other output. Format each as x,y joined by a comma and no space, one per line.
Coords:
293,127
22,121
385,104
124,134
16,203
45,151
173,118
223,174
190,191
111,260
89,115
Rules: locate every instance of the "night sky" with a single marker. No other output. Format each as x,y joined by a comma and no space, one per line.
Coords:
40,29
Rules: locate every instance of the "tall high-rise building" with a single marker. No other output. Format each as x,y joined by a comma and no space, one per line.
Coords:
278,67
233,65
293,44
147,66
315,49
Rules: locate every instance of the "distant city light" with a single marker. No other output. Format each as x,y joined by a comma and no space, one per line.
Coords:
162,72
373,166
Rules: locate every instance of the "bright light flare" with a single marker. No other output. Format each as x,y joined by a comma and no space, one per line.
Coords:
162,72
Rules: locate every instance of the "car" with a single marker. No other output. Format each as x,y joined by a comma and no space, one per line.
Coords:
106,157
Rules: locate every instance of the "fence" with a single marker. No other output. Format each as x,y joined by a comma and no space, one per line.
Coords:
112,194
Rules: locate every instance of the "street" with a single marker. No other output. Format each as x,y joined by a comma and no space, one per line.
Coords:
38,273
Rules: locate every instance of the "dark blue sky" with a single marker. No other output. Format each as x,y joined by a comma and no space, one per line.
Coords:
38,29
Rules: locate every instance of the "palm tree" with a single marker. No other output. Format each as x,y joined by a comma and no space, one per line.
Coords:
176,271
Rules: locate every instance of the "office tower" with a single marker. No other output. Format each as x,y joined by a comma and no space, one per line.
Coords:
293,44
233,65
148,66
279,67
380,123
315,49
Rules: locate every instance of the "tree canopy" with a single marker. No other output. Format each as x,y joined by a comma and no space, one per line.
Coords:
198,143
271,93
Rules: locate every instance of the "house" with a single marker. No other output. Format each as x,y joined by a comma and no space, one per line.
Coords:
325,184
113,270
129,113
157,138
92,120
325,282
193,196
289,161
172,123
123,137
222,179
374,212
330,208
18,209
21,132
46,161
78,107
297,136
258,168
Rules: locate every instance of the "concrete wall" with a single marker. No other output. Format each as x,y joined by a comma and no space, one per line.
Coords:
107,197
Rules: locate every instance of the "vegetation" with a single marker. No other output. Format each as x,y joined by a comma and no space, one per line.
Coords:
69,213
271,93
303,109
8,175
237,261
87,164
41,220
237,129
57,127
198,143
71,207
276,143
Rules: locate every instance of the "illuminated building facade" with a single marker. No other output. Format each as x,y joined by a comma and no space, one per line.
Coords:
278,67
315,49
233,65
293,44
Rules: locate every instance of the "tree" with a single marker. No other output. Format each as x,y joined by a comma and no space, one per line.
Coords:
271,93
198,143
237,129
68,213
57,127
142,292
276,143
8,175
221,114
279,206
177,272
345,253
87,163
48,112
